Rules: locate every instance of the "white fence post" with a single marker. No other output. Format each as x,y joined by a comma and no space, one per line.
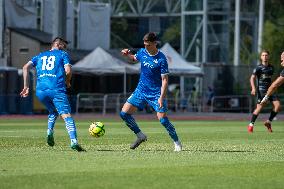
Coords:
77,103
104,104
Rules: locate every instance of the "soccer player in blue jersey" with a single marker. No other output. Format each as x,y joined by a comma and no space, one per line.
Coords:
54,74
151,89
263,74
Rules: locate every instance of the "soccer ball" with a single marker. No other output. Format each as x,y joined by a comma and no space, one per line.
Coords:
97,129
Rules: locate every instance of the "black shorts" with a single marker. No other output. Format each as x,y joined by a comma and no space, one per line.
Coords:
261,94
209,102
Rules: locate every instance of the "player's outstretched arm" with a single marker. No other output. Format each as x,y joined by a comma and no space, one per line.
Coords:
252,84
26,77
273,87
164,87
127,53
68,72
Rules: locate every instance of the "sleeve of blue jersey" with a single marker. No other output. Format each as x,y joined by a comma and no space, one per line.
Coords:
66,59
138,55
34,61
164,67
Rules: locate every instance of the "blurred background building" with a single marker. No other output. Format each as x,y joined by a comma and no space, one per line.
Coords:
221,37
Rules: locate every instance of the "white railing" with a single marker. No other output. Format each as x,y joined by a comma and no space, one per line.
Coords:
107,103
97,102
238,103
112,103
231,103
89,102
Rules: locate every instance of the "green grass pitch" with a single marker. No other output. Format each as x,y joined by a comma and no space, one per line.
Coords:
217,154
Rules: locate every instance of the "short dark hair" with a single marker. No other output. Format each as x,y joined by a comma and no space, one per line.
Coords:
62,42
265,51
151,36
59,39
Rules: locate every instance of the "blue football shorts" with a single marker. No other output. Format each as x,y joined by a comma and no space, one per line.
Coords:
54,100
139,100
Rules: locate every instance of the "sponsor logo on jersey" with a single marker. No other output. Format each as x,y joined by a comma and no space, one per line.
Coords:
48,75
147,64
265,76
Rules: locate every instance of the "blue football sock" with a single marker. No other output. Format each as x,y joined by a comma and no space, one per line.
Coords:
51,122
71,128
170,128
130,122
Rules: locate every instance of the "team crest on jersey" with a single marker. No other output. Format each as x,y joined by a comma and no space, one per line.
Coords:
155,61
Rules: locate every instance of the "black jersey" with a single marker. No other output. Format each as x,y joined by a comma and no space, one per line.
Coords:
282,73
264,76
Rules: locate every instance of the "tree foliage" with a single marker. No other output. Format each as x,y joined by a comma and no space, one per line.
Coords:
172,34
273,35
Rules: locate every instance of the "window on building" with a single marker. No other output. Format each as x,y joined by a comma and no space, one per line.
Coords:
24,50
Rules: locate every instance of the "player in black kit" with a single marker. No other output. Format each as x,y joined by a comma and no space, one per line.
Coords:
263,75
277,83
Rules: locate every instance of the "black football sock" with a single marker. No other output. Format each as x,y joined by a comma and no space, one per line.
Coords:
272,115
253,118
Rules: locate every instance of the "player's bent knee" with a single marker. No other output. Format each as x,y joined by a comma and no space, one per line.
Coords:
53,114
161,115
65,115
128,108
278,108
122,115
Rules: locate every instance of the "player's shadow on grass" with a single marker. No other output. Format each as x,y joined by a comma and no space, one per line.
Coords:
124,150
156,150
185,150
111,150
212,151
224,151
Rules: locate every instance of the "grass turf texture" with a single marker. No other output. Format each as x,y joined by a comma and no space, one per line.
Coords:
217,154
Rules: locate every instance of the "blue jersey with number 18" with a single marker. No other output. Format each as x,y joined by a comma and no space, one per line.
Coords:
50,70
